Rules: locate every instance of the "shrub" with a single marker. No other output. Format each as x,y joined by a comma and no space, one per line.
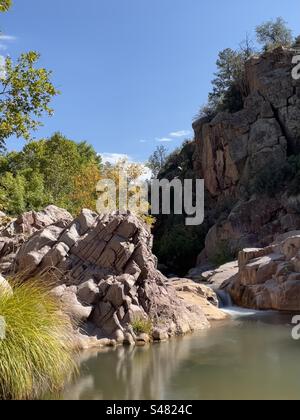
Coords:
297,42
178,246
273,34
142,326
36,353
269,180
223,254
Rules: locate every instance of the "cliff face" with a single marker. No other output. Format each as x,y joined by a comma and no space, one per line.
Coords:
233,150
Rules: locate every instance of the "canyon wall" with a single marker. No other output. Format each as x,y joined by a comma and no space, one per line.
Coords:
235,151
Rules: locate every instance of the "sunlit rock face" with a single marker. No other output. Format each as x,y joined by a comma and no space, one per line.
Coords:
232,149
103,270
14,232
269,278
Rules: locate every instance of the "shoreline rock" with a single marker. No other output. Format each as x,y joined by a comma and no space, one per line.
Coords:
268,278
104,273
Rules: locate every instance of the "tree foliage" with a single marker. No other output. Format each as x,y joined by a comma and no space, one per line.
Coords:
230,86
297,42
52,171
157,160
84,193
273,34
5,5
127,175
25,94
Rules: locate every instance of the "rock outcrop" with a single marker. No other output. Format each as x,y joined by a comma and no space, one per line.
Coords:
13,233
268,278
201,295
233,149
103,271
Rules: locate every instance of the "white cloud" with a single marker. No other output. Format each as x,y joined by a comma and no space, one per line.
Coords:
6,38
164,140
147,174
114,157
143,141
180,133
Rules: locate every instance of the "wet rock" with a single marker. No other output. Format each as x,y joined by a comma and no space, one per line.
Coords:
142,340
119,337
129,340
160,335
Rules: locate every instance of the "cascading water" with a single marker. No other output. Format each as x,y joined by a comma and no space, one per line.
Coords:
228,306
225,300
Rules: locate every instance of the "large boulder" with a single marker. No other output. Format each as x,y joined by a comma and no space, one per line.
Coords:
269,278
201,295
16,232
104,264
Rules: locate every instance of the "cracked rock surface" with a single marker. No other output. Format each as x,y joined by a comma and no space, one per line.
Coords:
232,149
268,278
103,271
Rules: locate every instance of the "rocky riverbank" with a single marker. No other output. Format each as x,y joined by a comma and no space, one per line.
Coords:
103,271
262,278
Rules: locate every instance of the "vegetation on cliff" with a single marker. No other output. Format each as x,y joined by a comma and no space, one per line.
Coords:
230,86
245,148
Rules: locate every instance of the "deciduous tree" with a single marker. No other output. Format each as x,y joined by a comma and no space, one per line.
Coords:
273,34
26,91
157,160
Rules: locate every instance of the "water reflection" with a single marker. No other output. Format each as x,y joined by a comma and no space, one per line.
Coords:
246,358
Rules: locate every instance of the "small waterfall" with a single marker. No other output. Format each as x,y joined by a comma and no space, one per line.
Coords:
225,300
227,305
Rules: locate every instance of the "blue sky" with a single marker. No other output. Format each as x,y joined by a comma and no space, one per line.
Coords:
132,72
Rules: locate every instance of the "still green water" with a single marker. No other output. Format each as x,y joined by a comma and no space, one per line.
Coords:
252,356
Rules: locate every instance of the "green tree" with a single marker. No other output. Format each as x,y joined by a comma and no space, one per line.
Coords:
297,42
157,160
25,94
5,5
273,34
47,172
12,193
229,86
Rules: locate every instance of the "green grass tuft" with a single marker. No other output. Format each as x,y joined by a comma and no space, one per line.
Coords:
142,326
36,355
